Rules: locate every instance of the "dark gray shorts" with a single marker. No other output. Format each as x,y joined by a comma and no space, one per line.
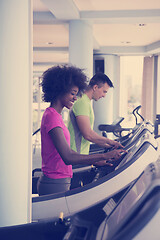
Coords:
47,185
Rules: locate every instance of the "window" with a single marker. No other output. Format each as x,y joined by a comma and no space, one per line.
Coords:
131,70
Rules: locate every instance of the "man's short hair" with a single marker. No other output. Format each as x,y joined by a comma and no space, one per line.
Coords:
100,78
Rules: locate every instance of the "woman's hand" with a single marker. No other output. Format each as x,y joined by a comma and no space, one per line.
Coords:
114,154
111,157
103,163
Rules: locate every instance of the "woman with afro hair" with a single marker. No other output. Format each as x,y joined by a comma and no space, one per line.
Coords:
61,85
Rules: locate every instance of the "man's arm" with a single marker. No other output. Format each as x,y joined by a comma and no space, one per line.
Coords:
90,135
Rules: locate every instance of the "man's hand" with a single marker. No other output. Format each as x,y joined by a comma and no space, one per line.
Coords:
115,144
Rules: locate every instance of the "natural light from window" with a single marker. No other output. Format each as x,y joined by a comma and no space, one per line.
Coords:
131,71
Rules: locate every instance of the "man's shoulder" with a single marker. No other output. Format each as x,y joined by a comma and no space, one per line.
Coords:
80,103
81,106
82,100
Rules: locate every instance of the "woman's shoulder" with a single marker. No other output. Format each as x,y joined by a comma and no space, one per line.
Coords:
51,110
51,113
52,118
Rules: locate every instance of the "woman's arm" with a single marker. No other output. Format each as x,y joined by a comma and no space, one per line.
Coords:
71,157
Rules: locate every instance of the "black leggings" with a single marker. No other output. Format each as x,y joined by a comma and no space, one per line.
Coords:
47,185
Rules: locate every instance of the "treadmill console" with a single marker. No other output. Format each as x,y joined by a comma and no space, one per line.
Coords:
145,138
117,121
134,196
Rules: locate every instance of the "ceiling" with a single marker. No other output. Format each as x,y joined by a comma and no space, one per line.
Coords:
122,27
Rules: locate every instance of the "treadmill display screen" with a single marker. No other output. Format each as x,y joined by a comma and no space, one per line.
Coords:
123,210
130,153
141,145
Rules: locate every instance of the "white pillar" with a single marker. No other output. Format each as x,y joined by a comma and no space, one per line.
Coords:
81,45
155,84
107,109
158,87
15,107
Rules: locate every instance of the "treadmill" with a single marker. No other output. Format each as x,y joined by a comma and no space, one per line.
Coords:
84,174
135,216
105,183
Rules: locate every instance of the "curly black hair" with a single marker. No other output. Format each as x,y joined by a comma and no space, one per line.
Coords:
58,80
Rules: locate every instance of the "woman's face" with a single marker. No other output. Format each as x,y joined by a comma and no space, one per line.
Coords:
69,98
